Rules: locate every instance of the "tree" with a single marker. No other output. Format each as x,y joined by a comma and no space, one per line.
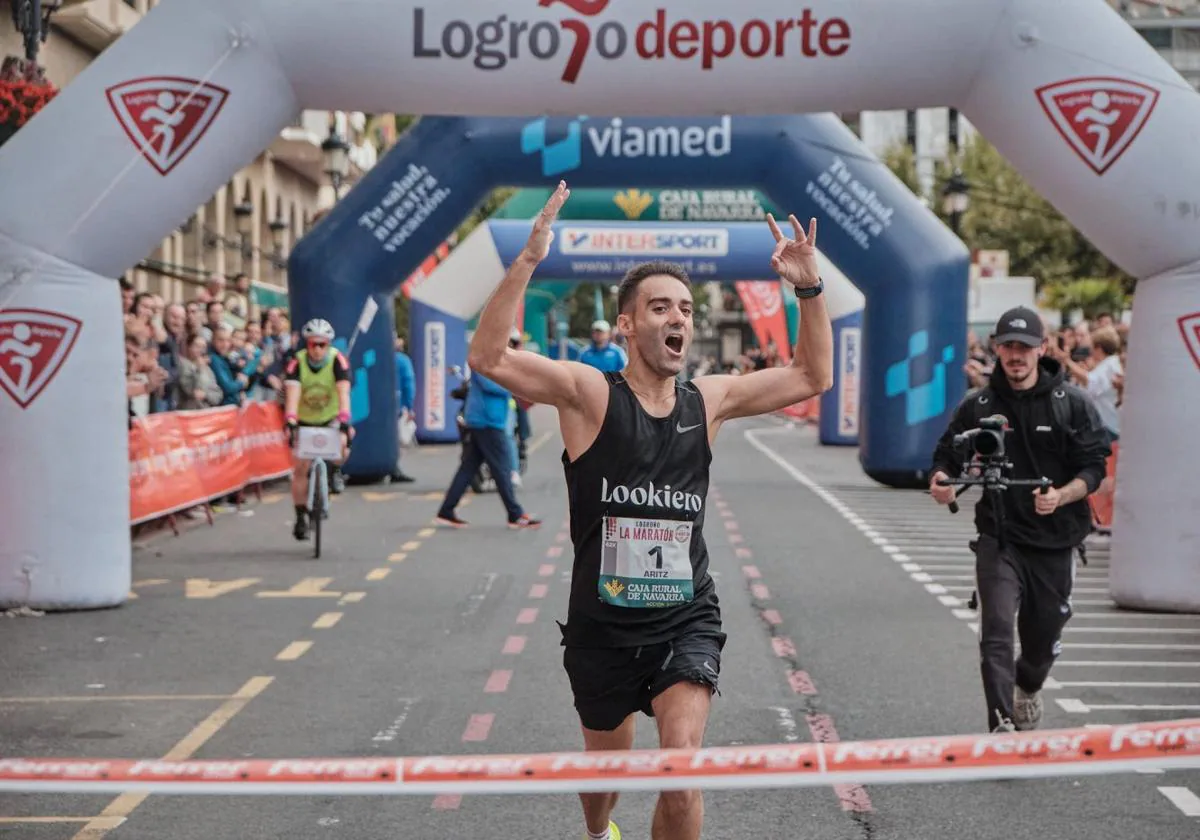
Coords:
483,211
401,306
902,160
404,122
1092,295
1007,213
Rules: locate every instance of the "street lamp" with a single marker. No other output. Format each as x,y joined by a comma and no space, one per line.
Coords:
32,19
243,211
337,158
956,199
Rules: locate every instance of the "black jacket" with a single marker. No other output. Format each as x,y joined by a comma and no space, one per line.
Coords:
1036,446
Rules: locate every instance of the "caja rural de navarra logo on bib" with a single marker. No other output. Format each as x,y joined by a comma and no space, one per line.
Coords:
492,42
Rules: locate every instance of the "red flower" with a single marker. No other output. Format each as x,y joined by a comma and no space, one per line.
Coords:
21,99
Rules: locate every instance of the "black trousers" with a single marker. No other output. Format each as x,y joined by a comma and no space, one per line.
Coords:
1027,590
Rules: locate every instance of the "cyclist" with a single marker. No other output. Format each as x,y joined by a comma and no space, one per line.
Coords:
316,393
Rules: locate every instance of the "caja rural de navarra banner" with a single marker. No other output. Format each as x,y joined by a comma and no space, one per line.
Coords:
181,459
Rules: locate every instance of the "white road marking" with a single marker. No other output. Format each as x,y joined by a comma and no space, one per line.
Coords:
1121,663
1145,707
1183,799
1128,646
1193,631
1098,684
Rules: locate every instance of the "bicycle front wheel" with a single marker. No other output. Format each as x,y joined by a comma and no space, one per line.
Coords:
320,503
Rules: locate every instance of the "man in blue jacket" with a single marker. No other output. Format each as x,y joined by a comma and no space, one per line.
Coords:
406,395
602,354
486,416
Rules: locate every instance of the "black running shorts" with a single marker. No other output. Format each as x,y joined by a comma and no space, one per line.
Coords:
610,684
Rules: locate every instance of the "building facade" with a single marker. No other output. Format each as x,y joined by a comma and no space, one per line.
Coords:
250,224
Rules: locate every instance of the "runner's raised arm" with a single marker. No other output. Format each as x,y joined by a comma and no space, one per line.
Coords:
811,370
529,375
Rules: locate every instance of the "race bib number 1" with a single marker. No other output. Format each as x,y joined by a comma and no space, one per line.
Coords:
646,562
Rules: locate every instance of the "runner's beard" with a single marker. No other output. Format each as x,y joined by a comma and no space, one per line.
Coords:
1019,375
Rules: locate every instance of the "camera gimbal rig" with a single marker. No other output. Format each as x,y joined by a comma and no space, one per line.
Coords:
983,450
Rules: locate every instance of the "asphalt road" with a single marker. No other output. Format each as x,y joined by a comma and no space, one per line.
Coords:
843,601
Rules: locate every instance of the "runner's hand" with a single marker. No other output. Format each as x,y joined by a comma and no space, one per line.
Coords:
537,247
795,260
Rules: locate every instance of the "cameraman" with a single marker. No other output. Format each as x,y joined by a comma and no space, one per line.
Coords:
1024,557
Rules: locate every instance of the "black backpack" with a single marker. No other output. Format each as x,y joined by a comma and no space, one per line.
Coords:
1060,405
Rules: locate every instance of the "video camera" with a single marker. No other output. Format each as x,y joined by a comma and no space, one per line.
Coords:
987,441
982,449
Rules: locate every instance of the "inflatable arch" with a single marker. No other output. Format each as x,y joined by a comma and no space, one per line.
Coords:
912,269
1067,91
457,289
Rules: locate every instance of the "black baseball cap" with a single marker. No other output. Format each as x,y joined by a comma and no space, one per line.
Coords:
1020,324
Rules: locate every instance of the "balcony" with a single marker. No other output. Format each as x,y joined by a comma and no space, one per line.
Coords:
98,23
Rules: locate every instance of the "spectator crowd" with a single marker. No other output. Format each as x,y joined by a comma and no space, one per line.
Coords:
204,353
218,349
1092,354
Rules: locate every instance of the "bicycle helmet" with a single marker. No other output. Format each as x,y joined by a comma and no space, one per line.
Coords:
318,328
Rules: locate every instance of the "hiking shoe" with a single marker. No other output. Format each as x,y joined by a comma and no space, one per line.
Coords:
1027,709
525,521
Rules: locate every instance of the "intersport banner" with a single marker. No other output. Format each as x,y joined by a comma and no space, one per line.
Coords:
181,459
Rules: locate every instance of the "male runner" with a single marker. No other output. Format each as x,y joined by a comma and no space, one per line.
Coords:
643,629
317,393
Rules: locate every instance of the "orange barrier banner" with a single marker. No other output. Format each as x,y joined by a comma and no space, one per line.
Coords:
763,302
1102,500
950,758
265,442
181,459
809,410
161,477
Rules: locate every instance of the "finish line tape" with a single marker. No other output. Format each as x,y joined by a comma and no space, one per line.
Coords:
1064,752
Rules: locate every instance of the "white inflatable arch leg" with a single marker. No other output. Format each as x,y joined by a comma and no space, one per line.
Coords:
1156,523
1080,104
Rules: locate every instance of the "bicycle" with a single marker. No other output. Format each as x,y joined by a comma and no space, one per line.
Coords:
316,444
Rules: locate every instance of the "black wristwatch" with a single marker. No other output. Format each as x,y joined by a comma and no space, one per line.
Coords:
811,291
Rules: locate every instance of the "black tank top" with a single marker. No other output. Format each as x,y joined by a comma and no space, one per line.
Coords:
637,498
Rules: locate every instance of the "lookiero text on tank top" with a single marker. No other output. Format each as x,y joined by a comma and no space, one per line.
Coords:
651,496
